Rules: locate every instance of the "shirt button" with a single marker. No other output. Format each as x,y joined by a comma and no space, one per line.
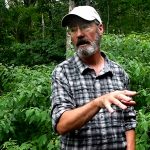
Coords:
76,132
97,85
102,116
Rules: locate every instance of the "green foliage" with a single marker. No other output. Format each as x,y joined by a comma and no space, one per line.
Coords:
134,46
124,16
36,53
25,23
31,33
25,106
143,130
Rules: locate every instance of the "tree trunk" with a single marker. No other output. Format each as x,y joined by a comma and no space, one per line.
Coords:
68,38
43,27
107,29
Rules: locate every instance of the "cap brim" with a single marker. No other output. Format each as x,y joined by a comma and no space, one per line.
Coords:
66,19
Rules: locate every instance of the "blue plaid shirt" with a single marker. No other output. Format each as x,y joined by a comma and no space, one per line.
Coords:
75,84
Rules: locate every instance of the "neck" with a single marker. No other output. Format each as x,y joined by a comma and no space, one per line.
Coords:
96,62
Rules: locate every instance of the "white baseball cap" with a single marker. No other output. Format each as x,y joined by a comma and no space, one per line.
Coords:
85,12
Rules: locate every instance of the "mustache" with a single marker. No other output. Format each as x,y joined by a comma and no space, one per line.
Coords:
82,41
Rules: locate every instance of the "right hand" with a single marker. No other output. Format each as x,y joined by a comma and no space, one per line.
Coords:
121,99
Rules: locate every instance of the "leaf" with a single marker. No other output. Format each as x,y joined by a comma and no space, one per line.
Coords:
42,140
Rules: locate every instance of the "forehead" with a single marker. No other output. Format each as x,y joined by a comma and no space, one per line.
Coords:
75,21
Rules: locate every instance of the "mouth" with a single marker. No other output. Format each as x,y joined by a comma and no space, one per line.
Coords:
82,43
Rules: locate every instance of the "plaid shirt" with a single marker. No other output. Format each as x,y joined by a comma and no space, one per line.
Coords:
75,84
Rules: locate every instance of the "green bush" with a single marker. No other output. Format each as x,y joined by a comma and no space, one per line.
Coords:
35,53
25,106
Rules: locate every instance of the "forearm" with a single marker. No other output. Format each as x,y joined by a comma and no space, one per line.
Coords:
130,137
76,118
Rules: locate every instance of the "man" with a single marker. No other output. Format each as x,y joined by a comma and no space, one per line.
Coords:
91,104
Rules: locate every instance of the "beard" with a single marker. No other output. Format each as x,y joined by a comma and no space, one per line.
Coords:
89,49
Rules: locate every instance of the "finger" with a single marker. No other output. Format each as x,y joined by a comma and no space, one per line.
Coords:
129,103
110,109
129,93
123,97
107,105
118,103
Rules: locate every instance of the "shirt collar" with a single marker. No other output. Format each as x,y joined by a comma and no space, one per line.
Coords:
79,64
84,68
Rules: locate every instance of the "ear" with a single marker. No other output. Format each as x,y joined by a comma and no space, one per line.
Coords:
100,29
68,33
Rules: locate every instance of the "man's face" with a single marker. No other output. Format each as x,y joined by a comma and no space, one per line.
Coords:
85,36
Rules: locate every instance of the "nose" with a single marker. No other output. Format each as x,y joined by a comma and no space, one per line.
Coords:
79,33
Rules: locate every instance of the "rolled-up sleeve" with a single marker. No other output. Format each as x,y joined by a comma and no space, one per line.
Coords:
130,118
130,112
61,97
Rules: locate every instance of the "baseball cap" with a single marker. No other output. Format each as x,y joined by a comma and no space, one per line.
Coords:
85,12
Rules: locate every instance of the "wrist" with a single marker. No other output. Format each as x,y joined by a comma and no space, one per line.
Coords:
98,102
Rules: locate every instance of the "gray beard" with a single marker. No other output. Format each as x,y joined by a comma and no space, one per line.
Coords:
89,50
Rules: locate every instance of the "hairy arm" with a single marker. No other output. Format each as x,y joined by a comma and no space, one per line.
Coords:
76,118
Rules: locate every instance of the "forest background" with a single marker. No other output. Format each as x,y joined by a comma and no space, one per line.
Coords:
32,43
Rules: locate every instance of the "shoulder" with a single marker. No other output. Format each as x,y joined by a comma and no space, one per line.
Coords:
64,67
117,69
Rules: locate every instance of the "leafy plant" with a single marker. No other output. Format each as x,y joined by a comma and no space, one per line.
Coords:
25,106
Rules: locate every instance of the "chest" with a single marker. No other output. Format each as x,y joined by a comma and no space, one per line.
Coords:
87,87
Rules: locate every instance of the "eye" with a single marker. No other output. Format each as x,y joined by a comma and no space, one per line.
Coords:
85,26
72,29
